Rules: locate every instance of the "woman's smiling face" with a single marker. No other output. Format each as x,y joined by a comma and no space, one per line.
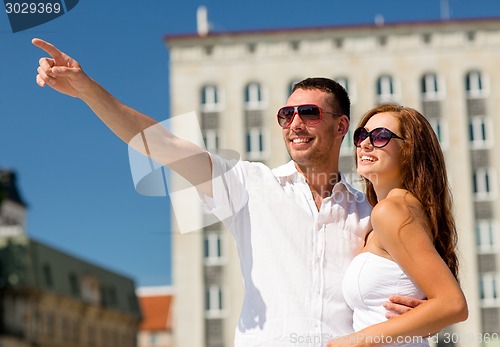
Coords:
380,164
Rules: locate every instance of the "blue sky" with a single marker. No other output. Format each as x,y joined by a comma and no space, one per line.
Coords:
73,172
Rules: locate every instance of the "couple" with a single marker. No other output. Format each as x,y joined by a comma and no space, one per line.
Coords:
313,250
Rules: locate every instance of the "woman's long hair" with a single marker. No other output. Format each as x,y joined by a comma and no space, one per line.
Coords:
423,173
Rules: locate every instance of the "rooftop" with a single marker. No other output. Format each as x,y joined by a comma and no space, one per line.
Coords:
156,308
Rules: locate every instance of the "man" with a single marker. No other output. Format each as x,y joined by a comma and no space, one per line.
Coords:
296,227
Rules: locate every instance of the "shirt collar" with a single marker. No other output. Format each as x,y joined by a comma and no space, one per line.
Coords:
289,170
350,189
286,170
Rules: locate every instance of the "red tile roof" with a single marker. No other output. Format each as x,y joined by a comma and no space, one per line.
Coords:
156,312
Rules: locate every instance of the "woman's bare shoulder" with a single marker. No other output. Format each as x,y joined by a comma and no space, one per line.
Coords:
398,207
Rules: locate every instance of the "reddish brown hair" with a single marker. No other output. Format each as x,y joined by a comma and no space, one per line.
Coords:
424,175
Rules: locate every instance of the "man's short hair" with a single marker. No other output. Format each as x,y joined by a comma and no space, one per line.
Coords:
340,99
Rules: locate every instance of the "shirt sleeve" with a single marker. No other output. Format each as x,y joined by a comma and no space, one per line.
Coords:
228,189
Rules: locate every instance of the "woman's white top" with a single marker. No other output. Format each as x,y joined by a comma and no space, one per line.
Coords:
368,282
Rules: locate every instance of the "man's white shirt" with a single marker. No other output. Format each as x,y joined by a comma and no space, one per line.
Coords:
292,256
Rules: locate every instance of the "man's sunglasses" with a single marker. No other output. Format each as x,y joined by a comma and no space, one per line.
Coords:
379,137
310,114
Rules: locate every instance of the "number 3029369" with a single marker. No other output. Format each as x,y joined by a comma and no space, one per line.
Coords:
32,7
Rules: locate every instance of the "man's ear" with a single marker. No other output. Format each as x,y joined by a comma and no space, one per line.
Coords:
343,125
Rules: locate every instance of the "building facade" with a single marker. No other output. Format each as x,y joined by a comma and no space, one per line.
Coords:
237,81
48,298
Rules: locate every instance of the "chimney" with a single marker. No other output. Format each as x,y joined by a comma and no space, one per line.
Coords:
445,10
202,21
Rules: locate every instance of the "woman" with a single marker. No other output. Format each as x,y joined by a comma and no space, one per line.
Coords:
412,247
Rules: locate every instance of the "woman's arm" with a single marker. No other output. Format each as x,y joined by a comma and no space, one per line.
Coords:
401,231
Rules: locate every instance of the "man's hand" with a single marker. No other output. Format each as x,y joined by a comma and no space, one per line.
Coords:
398,305
60,71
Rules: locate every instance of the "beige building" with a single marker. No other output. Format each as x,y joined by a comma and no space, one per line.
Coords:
236,82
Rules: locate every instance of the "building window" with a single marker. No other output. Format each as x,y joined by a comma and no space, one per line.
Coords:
105,337
91,335
214,302
90,290
432,88
254,98
471,36
112,297
488,288
480,132
291,85
208,49
153,338
66,331
210,98
344,82
486,236
47,274
211,138
252,47
484,184
50,324
441,131
214,248
76,331
256,141
73,284
475,85
18,312
347,147
386,90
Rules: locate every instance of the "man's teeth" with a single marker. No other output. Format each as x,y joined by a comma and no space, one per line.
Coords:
367,158
302,140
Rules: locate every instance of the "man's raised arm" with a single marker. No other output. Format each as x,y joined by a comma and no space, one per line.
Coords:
64,74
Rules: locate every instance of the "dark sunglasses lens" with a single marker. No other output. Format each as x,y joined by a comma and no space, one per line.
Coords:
380,137
285,115
309,113
360,134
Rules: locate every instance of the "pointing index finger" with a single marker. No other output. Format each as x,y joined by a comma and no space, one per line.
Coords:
48,47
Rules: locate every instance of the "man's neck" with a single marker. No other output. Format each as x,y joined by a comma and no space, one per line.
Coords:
321,182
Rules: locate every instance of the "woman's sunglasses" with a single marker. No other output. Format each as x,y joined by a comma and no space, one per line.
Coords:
379,137
310,114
